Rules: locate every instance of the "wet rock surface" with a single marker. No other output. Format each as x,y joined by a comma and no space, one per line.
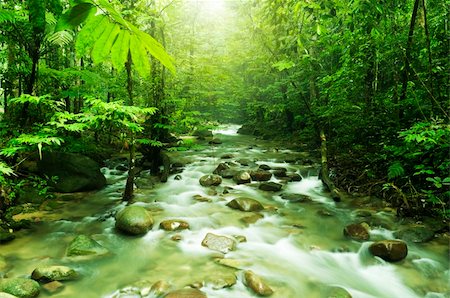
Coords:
173,225
270,186
54,273
245,204
20,287
219,243
257,284
134,220
186,293
210,180
83,245
389,250
357,231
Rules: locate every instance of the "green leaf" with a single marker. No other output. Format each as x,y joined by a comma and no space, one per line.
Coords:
75,16
157,50
395,170
119,50
139,57
85,38
101,49
5,170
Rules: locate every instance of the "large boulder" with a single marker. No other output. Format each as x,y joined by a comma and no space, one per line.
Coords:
219,243
270,186
245,204
260,175
210,180
220,168
20,287
134,220
389,250
75,172
52,273
186,293
83,245
242,177
357,231
257,284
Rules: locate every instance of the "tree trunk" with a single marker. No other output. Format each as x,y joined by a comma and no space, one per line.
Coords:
129,186
336,195
129,80
407,58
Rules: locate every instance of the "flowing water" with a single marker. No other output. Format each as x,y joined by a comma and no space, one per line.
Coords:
298,248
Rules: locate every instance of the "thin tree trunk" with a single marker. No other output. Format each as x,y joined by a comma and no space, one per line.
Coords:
430,60
129,186
336,194
129,80
407,58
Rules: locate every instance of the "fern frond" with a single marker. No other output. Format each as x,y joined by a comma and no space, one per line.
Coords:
5,170
61,38
7,16
395,170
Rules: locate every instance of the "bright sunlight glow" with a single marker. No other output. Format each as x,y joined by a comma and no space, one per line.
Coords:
212,7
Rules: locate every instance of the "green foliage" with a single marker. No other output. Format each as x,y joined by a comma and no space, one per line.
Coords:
108,34
395,170
423,149
5,170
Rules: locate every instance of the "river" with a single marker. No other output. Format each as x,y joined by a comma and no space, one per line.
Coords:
298,248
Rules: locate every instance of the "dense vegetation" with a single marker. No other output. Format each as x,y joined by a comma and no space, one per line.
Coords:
88,75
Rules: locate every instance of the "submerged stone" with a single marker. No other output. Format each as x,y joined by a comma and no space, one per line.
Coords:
20,287
83,246
134,220
245,204
53,287
186,293
219,243
293,197
52,273
257,284
270,186
416,234
358,231
210,180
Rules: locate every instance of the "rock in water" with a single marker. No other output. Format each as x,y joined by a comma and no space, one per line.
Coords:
20,287
186,293
75,172
52,273
134,220
53,287
6,295
84,246
337,292
173,225
218,243
389,250
416,234
256,283
242,177
245,204
359,231
293,197
270,186
210,180
261,175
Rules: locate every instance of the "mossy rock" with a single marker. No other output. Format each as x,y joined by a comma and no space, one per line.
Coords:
20,287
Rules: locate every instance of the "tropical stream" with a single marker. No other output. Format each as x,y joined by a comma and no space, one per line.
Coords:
298,248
